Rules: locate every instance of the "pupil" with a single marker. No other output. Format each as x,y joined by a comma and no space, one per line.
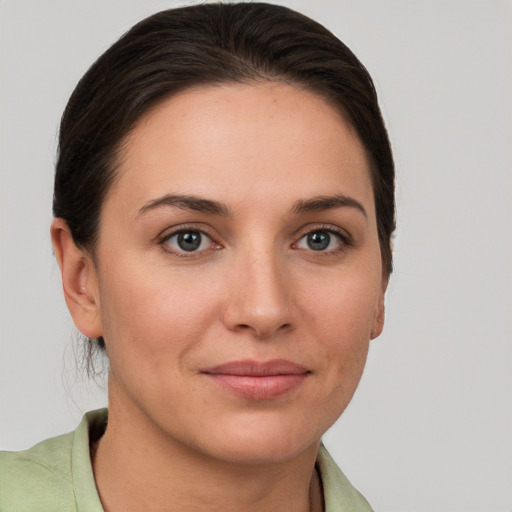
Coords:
318,241
189,241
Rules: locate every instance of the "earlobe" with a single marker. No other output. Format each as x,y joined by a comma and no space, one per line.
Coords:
79,280
378,324
380,315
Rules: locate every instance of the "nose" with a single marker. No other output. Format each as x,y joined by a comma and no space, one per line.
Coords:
258,301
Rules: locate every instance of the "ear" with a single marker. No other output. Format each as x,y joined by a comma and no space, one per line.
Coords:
380,314
79,280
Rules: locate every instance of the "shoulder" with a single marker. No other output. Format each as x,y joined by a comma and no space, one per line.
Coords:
38,478
339,494
52,475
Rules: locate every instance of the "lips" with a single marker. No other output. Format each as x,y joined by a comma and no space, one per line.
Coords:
258,380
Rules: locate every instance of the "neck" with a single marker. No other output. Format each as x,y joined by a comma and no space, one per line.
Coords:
138,467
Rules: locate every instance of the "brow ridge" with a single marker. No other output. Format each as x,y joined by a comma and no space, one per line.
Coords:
320,203
186,202
199,204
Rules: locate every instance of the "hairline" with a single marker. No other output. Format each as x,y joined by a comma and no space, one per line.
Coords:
120,148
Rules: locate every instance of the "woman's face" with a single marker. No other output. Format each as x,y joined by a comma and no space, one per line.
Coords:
239,275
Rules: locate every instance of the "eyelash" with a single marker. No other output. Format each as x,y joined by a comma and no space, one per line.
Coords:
344,238
164,240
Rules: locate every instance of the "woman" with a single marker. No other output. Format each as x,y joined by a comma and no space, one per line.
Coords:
223,214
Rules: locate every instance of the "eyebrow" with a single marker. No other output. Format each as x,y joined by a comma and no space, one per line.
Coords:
186,202
320,203
199,204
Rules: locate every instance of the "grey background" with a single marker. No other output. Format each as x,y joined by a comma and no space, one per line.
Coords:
430,428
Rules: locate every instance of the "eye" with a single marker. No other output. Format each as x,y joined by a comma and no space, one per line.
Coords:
321,240
189,240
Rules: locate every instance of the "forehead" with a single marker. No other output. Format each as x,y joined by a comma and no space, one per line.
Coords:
242,141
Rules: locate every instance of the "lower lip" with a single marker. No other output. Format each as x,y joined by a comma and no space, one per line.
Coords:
259,388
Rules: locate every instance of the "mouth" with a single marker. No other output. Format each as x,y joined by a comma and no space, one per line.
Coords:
258,380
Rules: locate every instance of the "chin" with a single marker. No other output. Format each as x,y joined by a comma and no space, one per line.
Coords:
261,442
267,451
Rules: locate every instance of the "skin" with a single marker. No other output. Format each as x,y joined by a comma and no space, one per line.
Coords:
254,290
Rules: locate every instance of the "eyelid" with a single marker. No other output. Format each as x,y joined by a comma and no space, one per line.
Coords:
343,235
332,228
168,233
185,226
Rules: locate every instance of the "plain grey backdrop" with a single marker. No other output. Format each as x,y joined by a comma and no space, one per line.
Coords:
430,428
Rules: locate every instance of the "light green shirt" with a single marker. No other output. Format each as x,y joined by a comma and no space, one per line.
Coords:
56,475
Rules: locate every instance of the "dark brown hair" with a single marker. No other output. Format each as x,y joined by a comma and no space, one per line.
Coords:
208,44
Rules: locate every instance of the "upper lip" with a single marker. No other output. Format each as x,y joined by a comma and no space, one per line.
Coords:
257,368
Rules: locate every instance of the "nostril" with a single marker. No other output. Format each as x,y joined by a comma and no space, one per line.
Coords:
260,307
263,331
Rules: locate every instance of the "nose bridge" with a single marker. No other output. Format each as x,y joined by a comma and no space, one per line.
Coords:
259,300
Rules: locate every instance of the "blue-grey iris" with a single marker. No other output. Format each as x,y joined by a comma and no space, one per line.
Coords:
189,240
319,240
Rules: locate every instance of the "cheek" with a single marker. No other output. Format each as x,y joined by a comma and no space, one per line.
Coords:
150,314
341,313
344,305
